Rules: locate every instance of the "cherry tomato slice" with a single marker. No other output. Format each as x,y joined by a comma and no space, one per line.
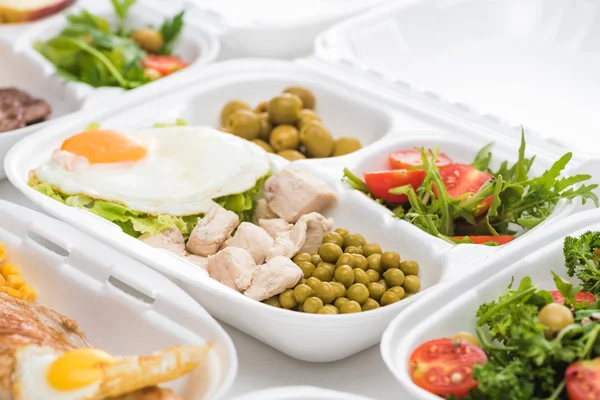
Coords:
502,239
461,178
380,183
165,65
445,366
583,380
405,159
579,297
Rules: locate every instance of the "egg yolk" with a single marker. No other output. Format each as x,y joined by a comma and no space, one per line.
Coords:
104,146
77,369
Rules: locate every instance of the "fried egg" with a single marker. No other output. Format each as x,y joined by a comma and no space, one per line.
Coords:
43,373
173,170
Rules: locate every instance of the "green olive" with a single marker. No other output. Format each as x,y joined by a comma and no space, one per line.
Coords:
262,107
287,300
333,237
285,109
394,277
398,290
266,146
467,337
389,298
312,282
556,317
325,292
339,302
291,155
303,292
273,301
345,275
374,262
225,129
342,232
345,145
350,307
307,97
370,304
373,275
244,123
358,292
317,140
312,305
411,284
328,309
301,257
323,274
148,39
353,250
306,117
330,252
390,259
360,276
376,290
354,239
384,283
409,267
371,248
360,261
232,107
339,289
265,127
284,137
307,269
315,259
345,259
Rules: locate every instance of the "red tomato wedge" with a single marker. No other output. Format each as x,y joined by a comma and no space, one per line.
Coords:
461,178
165,65
502,239
579,297
405,159
583,380
445,366
380,183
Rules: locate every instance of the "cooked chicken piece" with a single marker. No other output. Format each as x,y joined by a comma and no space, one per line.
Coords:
262,211
211,231
288,244
275,226
171,240
233,267
291,194
150,393
317,226
252,238
272,278
200,261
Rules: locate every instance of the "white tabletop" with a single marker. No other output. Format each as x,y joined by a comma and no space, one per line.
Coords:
261,366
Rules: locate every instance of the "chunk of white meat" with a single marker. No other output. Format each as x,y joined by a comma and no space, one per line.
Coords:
211,231
275,226
262,211
288,244
200,261
233,267
170,239
252,238
291,194
273,278
317,226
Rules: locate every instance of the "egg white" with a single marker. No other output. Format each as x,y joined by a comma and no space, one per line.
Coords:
184,169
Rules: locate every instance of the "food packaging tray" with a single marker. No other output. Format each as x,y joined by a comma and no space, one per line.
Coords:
531,63
115,299
299,393
23,67
381,119
451,308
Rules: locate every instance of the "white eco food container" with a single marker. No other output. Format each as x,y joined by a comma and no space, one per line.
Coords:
299,393
451,308
381,118
531,62
115,299
21,66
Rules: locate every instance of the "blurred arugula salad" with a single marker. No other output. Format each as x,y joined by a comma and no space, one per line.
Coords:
462,203
92,51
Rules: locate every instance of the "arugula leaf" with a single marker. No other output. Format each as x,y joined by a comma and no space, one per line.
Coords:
170,31
581,259
355,182
122,8
568,291
483,158
178,122
87,19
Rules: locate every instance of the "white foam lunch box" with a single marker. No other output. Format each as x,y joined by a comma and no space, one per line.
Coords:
299,393
121,305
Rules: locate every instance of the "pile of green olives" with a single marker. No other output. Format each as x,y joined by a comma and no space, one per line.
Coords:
286,125
348,275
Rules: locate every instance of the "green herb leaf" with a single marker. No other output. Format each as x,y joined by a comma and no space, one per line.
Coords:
122,8
170,31
483,158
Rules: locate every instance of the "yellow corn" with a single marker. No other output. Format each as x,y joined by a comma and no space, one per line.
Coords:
15,281
11,292
9,269
2,253
27,292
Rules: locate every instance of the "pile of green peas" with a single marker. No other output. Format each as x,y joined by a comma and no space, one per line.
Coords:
348,275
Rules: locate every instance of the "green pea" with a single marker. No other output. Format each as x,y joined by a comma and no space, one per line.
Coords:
325,292
301,257
389,298
394,277
328,266
412,284
374,262
345,259
273,301
333,237
307,268
345,275
373,275
361,276
303,280
303,292
328,309
371,248
339,289
330,252
370,304
315,259
287,300
376,290
340,302
384,283
358,292
390,259
342,232
399,290
353,250
312,305
354,239
312,282
350,307
360,261
323,274
409,267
